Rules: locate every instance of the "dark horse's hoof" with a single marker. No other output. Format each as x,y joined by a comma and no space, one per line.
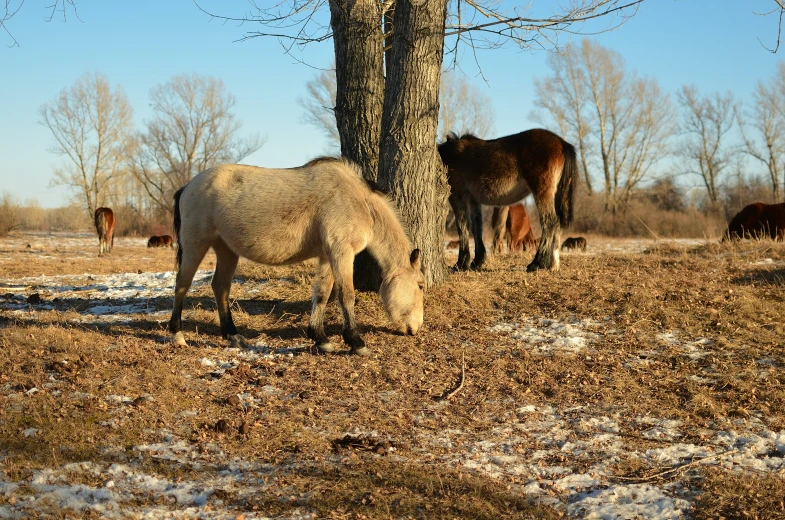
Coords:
534,266
459,267
476,267
354,340
362,351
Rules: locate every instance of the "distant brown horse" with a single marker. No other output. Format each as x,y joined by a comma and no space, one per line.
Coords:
104,224
574,243
516,227
757,221
160,241
502,171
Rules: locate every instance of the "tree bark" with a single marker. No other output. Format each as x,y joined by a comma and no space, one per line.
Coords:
359,75
409,165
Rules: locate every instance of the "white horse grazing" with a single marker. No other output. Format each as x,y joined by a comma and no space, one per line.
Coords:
322,210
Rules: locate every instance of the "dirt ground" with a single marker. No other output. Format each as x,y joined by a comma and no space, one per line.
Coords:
645,379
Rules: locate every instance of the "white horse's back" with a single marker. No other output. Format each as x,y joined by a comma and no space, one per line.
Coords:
278,216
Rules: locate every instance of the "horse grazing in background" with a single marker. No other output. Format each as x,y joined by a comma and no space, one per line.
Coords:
513,223
322,210
104,225
574,243
500,172
160,241
757,220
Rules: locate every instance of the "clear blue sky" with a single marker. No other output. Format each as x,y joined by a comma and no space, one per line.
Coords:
711,43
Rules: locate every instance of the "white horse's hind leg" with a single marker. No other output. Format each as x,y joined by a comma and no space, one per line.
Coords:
191,257
322,287
225,266
342,263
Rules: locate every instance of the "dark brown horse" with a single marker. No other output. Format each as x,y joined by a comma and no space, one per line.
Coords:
502,171
104,225
757,221
160,241
574,243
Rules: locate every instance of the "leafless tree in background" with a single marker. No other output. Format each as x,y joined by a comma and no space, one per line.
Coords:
193,128
620,122
10,216
462,107
766,118
319,106
92,126
705,124
54,8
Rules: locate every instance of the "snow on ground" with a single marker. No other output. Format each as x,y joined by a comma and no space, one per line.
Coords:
545,336
564,457
104,298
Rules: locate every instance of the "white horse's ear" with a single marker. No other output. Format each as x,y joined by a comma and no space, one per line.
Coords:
415,259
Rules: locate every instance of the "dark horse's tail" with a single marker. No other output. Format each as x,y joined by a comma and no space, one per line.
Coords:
177,223
100,223
565,192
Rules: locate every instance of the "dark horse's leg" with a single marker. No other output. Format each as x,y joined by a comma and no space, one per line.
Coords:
461,224
225,265
475,216
547,256
322,286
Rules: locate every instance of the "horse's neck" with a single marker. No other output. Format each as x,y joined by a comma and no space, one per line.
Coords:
389,246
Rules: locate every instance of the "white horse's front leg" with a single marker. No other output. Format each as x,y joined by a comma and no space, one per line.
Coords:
342,264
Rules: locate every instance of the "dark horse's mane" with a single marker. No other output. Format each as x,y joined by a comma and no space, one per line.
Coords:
452,136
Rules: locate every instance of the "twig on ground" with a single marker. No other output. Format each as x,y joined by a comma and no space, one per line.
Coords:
458,388
676,469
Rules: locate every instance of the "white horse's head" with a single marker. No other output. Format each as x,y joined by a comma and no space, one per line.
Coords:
402,295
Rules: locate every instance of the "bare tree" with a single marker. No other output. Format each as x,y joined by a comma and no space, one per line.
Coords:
10,214
621,122
462,108
92,126
54,8
193,128
363,31
319,106
705,125
766,118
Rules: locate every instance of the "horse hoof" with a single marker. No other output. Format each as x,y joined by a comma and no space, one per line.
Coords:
237,341
178,340
360,351
325,348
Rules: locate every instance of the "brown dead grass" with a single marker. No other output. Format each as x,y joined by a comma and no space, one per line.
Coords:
713,291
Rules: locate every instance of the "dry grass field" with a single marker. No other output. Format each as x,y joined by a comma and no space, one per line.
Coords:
643,380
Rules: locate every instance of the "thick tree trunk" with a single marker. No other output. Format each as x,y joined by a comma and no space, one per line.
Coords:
409,165
359,74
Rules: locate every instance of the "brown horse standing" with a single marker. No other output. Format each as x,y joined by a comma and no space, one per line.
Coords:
104,224
516,226
502,171
757,221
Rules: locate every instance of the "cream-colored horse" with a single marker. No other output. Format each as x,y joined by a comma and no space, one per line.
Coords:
321,210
